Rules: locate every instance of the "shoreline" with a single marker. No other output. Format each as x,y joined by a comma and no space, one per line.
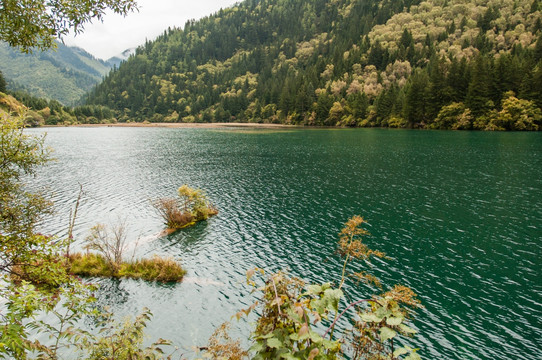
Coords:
188,125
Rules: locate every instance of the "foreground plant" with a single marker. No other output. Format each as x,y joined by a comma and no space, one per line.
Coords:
298,321
191,206
42,305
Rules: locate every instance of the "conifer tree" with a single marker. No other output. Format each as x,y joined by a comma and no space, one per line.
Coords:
2,83
478,100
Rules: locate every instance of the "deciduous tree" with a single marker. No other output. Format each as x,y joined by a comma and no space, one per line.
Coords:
37,23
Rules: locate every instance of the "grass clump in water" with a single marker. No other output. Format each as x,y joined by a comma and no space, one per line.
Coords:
90,265
108,261
154,269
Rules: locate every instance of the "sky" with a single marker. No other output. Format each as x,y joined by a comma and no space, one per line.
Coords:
116,33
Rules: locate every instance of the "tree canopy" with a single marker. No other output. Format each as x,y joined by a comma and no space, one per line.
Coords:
343,62
31,24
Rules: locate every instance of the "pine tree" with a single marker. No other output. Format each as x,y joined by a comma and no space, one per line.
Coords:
416,103
440,92
2,83
477,99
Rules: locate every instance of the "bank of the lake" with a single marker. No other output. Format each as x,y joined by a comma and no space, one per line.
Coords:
458,212
187,125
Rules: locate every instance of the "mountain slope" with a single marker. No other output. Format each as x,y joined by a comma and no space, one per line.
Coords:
115,61
341,62
64,74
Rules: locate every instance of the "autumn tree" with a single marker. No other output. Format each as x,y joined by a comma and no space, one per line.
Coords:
37,23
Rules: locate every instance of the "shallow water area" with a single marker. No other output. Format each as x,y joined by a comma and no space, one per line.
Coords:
459,213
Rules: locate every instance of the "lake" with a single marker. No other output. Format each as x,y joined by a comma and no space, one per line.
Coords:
459,213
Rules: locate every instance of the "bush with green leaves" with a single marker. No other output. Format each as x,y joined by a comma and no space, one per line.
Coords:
299,321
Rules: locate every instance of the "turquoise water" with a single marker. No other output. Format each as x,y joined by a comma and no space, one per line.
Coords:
459,213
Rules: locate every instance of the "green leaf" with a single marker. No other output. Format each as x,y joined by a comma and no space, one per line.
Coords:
332,345
394,321
315,337
407,329
314,289
266,336
257,347
386,333
400,351
370,317
413,356
289,356
274,343
382,312
332,298
318,305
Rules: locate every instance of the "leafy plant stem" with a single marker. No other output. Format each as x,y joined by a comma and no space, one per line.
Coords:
343,275
276,295
332,326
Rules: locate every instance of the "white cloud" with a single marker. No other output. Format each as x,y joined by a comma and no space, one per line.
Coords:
116,33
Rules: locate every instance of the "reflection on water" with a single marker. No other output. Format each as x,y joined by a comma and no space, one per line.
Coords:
459,213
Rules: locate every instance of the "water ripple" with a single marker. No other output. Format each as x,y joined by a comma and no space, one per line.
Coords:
459,213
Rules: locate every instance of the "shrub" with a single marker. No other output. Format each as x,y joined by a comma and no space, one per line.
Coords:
173,217
192,206
290,323
110,242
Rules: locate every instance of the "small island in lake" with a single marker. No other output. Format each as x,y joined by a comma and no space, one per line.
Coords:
191,206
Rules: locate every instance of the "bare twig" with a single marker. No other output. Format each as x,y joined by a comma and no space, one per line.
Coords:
72,219
332,326
276,295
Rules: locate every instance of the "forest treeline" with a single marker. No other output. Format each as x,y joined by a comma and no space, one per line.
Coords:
397,63
39,111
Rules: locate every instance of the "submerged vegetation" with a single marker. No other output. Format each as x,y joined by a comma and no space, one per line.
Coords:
191,206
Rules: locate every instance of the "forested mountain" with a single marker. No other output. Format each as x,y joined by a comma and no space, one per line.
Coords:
65,74
399,63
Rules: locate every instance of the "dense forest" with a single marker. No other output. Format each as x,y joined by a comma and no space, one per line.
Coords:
398,63
39,111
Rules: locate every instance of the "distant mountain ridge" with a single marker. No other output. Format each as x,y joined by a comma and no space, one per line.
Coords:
118,59
64,74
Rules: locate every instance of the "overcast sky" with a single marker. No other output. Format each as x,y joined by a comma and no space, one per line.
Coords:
116,33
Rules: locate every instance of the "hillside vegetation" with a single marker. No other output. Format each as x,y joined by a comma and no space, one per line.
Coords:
398,63
65,74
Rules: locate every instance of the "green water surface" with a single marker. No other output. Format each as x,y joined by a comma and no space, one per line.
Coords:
459,213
